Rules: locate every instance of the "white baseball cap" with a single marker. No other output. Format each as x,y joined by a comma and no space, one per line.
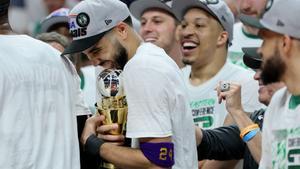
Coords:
91,19
56,17
216,8
138,7
280,16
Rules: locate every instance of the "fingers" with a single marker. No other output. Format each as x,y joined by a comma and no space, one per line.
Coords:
226,89
117,139
106,128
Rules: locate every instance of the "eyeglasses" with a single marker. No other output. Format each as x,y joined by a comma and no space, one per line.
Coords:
207,2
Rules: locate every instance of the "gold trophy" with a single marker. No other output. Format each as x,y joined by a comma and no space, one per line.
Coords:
113,103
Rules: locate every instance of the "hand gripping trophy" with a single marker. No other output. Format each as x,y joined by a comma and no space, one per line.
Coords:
113,103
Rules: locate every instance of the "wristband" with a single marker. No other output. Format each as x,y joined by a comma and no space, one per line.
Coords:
93,144
250,135
247,129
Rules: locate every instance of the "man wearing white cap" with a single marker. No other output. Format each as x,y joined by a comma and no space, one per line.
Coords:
158,119
158,25
280,52
206,32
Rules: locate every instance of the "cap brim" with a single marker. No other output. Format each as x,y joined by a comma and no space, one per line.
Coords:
82,44
46,24
251,58
251,21
180,8
137,8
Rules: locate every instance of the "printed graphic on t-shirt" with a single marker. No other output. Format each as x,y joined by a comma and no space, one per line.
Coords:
203,112
237,59
286,149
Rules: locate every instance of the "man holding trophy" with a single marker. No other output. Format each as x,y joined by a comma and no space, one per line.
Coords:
158,112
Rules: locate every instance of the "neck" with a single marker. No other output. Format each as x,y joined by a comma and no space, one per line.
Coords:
292,75
176,55
132,45
204,72
250,31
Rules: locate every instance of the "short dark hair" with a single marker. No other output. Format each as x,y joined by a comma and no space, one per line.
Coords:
128,20
4,4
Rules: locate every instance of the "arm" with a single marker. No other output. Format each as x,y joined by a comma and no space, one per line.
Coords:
222,143
234,107
122,157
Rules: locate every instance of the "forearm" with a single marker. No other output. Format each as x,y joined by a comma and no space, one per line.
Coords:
198,135
124,157
222,143
242,120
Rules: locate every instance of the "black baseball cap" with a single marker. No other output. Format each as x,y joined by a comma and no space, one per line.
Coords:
251,58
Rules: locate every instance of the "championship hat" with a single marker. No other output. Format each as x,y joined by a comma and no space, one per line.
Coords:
59,16
91,19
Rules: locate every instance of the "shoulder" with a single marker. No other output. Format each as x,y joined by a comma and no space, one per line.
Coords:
279,98
236,72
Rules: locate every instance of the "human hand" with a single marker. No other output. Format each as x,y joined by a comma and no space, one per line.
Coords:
232,96
90,127
103,132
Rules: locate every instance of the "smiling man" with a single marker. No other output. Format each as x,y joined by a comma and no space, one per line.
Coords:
205,34
159,119
158,25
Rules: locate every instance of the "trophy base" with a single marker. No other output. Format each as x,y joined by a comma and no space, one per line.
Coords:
105,165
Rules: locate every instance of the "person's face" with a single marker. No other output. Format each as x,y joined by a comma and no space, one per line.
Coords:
198,35
52,5
108,53
265,92
252,7
273,67
159,28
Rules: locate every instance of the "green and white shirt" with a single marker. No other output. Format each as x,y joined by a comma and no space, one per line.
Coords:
241,39
281,133
206,110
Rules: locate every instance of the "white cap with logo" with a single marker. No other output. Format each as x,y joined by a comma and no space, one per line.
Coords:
216,8
91,19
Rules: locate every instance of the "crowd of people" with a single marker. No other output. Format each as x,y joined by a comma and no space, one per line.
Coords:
210,84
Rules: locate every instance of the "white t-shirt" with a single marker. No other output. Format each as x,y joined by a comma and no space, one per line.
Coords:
281,134
157,103
37,106
240,40
206,110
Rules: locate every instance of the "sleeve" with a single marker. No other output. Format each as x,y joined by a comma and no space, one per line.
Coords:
222,143
81,107
148,100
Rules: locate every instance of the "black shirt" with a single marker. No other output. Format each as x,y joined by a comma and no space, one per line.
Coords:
224,143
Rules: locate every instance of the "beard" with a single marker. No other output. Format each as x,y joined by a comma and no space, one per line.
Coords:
121,56
273,69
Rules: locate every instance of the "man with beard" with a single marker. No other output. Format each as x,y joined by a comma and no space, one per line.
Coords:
38,96
280,52
158,25
225,143
159,120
